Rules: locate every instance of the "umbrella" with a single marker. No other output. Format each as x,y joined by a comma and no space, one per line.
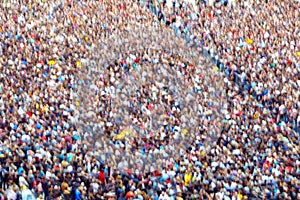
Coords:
249,41
122,135
51,62
129,194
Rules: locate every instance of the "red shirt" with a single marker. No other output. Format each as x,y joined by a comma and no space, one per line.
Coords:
267,165
101,177
137,60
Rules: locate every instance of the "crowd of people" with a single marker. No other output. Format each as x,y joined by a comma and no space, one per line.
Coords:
149,99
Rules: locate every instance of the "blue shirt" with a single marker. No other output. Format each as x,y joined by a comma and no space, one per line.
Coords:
77,194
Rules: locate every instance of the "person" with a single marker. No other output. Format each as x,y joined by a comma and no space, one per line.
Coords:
66,190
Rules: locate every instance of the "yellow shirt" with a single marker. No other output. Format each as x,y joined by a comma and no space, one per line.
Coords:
187,179
240,196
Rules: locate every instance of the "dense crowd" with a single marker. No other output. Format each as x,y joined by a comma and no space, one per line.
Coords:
149,100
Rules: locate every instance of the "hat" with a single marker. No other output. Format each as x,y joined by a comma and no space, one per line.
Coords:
64,163
38,126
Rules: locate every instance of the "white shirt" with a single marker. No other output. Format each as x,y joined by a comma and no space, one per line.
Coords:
23,181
